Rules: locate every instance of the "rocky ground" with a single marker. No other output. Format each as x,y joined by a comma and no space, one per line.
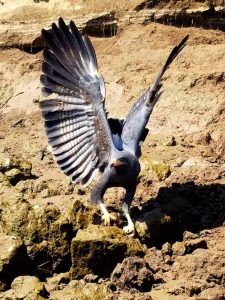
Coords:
52,243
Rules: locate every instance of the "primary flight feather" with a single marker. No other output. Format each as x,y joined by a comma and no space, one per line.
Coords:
83,139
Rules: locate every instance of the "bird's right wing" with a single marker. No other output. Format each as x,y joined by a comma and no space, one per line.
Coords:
75,120
139,114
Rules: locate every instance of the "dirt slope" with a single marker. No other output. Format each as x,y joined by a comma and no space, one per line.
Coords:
183,162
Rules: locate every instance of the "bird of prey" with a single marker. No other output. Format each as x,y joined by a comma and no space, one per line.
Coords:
84,140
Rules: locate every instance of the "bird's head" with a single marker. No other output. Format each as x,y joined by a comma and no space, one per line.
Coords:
125,164
120,163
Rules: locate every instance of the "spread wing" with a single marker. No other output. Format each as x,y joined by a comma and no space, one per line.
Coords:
75,120
139,114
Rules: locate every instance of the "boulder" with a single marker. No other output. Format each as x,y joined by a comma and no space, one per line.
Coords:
27,288
45,231
98,249
151,223
14,260
133,273
77,290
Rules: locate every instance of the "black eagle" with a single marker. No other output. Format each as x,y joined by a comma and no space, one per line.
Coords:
83,139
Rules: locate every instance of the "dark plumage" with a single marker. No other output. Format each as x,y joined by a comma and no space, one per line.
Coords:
83,139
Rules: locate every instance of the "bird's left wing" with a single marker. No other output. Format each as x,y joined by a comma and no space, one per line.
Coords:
137,119
75,120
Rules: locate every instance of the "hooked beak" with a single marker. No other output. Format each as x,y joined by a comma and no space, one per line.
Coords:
116,163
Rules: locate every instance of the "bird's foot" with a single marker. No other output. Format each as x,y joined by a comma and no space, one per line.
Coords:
130,226
106,217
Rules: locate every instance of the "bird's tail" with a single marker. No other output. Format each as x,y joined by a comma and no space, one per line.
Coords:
154,92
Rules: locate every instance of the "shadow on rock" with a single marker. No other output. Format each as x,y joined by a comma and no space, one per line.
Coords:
180,208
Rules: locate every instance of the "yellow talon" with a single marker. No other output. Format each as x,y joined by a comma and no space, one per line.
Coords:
106,219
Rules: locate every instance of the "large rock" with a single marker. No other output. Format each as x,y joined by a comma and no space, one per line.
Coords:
133,273
14,260
45,231
151,224
97,250
27,288
178,208
77,290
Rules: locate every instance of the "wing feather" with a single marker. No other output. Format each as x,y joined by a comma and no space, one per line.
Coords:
73,155
74,151
82,158
75,119
64,148
64,123
88,170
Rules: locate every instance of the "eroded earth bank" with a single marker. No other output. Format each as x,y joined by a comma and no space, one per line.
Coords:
52,243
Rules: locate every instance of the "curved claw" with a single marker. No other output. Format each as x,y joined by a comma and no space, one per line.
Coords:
106,219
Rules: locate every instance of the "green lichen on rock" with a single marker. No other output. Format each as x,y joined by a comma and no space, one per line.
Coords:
97,249
179,248
80,215
25,167
44,229
159,169
7,163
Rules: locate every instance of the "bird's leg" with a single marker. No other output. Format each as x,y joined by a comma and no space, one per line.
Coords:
97,195
126,205
130,226
105,214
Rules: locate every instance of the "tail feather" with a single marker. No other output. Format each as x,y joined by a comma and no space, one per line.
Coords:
154,90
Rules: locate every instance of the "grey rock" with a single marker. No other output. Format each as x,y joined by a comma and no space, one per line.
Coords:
133,273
